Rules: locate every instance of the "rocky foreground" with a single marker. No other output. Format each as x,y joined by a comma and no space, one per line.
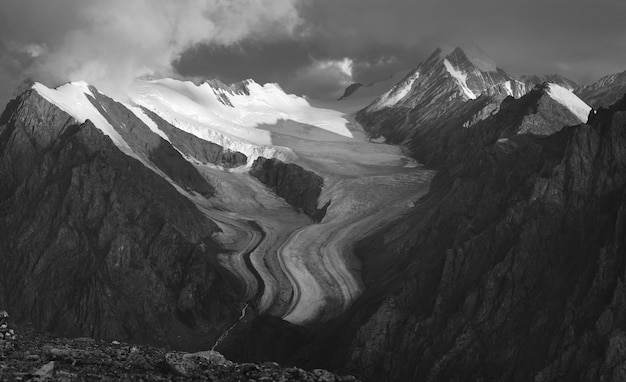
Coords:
36,356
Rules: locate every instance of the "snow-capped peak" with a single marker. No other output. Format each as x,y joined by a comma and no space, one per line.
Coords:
568,99
72,98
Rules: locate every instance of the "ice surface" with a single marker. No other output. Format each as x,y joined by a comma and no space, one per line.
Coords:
197,110
570,101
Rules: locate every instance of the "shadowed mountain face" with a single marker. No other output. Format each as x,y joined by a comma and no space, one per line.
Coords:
515,272
95,243
511,268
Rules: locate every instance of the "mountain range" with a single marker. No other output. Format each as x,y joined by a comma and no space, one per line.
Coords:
461,224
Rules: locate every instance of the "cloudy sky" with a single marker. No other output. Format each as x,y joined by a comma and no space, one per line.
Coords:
312,47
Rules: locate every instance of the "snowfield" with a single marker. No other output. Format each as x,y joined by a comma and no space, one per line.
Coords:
72,98
568,99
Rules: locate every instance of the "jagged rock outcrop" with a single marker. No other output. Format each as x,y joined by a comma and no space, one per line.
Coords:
606,91
95,243
350,90
299,187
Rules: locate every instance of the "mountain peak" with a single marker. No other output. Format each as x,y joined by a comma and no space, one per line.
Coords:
465,55
474,56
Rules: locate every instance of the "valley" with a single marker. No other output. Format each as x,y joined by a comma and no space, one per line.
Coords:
302,271
449,222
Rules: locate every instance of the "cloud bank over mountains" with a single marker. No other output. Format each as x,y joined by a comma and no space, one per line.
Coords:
108,43
302,44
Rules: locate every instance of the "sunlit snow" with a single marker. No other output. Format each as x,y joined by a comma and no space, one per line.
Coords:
461,79
72,98
570,101
393,96
197,109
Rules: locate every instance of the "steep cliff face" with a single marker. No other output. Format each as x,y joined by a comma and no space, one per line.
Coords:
95,243
299,187
512,269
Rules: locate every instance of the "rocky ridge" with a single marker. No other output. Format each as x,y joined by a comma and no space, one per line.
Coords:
511,269
605,92
39,356
87,223
442,85
299,187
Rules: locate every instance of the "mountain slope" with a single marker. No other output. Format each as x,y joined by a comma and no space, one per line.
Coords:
509,269
445,94
230,115
512,268
84,224
440,85
604,92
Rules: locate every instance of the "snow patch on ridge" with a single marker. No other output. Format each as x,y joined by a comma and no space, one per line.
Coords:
72,99
507,86
393,96
461,79
146,120
568,99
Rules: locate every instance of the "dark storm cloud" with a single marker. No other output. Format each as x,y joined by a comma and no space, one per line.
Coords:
265,62
579,39
109,43
308,46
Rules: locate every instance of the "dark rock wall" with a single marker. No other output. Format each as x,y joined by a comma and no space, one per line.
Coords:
299,187
95,244
512,269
